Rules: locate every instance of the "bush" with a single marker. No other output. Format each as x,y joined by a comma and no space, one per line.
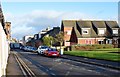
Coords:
91,47
108,46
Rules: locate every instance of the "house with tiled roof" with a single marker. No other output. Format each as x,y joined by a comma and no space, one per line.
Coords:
66,27
36,41
114,30
52,32
89,32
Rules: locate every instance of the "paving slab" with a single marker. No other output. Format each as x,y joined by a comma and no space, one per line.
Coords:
12,66
105,63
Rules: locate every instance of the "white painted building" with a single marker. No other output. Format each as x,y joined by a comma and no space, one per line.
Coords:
4,45
4,51
27,38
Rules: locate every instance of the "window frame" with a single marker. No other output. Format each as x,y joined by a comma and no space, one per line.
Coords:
85,30
114,31
101,31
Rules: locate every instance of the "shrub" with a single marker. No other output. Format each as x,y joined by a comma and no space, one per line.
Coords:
91,47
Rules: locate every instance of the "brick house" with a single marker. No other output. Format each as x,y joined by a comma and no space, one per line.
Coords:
114,30
8,30
36,41
67,27
89,32
51,32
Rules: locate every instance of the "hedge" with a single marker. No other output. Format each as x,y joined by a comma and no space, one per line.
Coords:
90,47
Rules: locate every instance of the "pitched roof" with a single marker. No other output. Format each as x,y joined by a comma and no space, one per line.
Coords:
52,32
2,19
99,24
112,24
77,32
93,25
69,23
1,13
93,33
84,24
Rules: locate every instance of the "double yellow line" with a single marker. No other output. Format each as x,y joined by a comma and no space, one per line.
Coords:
27,72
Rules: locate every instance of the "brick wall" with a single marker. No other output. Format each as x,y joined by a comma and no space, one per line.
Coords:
89,40
67,33
8,28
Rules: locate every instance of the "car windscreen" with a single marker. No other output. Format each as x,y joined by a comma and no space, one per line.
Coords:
53,50
44,47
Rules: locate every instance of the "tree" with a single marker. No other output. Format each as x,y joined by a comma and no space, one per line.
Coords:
60,38
47,40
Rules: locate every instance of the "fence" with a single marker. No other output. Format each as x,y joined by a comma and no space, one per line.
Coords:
4,51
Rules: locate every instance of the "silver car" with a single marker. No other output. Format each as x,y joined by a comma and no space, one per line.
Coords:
42,49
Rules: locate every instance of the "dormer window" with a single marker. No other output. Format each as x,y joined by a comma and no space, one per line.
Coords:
101,31
84,31
115,31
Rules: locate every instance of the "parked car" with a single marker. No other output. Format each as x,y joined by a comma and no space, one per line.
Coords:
15,45
26,48
52,52
41,49
29,48
22,47
33,49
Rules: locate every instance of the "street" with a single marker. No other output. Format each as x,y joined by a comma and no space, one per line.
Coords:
51,66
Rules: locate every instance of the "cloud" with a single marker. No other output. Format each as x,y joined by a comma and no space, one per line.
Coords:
37,20
34,22
19,31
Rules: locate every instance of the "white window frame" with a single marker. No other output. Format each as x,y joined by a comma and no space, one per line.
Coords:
101,31
85,30
115,31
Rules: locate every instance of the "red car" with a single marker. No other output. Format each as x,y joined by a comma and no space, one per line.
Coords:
52,52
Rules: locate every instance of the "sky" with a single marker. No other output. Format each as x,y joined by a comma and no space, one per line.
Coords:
60,0
29,18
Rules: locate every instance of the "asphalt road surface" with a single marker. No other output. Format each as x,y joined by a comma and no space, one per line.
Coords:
51,66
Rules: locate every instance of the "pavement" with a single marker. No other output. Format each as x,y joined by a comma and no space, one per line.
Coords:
104,63
14,69
12,66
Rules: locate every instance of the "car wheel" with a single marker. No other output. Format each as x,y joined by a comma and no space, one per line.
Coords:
38,53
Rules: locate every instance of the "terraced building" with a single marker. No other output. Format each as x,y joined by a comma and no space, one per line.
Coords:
90,32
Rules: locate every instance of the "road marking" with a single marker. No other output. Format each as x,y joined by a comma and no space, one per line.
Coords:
25,69
47,70
71,68
52,74
68,73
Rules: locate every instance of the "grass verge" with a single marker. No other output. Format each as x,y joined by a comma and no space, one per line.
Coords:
106,54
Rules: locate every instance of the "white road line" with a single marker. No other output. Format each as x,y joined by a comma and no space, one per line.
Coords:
53,74
68,73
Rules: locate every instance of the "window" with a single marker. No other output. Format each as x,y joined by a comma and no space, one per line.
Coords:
85,31
68,32
88,41
109,41
115,31
100,41
35,37
101,31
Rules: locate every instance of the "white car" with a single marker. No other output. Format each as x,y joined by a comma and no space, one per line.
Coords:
42,49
